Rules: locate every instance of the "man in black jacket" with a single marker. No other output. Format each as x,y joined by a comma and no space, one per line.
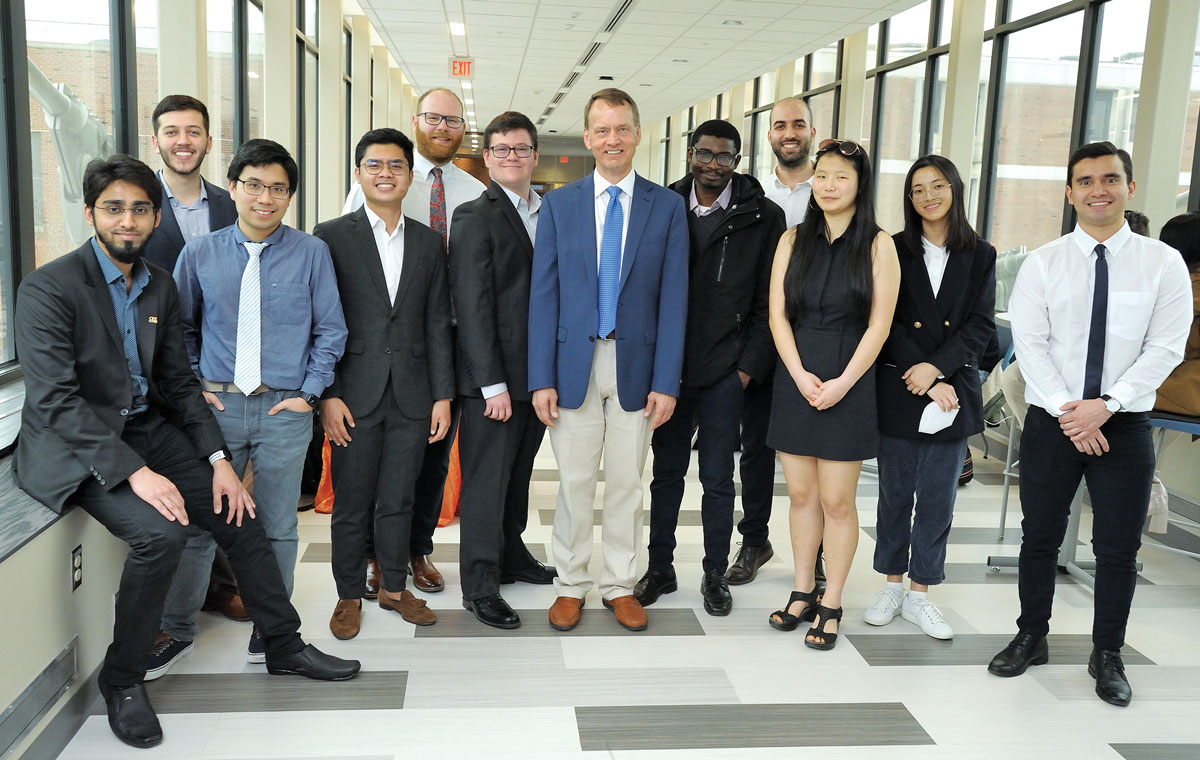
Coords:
734,230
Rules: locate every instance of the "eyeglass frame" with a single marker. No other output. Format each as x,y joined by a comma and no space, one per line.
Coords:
140,210
733,158
945,189
269,189
440,118
365,165
513,149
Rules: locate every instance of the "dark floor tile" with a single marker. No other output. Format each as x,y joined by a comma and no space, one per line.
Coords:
660,727
596,621
1157,751
971,649
261,692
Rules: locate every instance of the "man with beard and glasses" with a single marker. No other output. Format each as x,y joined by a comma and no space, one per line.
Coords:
438,188
114,422
192,207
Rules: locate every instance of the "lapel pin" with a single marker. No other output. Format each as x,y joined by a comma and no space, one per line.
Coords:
153,320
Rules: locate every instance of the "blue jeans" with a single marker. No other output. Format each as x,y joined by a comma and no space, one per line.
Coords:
276,444
715,410
929,469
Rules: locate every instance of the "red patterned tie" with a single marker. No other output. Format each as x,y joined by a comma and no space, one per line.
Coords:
437,205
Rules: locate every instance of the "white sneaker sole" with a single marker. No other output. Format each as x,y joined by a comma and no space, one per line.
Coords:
879,622
917,622
161,670
256,658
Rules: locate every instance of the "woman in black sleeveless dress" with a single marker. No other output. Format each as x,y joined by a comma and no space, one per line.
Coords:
833,290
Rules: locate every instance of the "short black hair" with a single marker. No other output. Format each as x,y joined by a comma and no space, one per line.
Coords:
717,128
178,103
1098,150
507,122
1183,234
119,167
384,136
262,152
1139,223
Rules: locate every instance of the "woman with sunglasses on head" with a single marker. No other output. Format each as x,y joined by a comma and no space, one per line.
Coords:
944,321
833,289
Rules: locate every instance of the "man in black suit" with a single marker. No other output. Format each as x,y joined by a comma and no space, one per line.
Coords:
491,257
115,422
193,205
392,388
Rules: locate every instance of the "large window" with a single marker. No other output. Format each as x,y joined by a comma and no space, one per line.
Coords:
899,142
145,19
908,33
7,189
1190,199
256,54
307,158
221,90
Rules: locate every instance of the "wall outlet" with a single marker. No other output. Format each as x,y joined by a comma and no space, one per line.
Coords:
76,567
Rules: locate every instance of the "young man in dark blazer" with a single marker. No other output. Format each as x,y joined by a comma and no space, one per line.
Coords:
192,205
114,421
391,391
491,256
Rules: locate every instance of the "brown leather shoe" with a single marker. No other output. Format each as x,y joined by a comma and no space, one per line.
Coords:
565,613
425,576
374,574
629,612
347,618
228,603
410,607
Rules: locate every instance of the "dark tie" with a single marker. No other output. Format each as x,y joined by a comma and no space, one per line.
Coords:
1094,367
437,204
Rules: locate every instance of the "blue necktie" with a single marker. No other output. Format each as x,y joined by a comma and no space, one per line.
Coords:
610,262
1094,366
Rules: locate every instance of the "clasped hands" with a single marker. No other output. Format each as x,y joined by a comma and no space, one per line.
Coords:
1081,420
822,394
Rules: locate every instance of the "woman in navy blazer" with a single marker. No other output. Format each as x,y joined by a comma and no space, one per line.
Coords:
941,330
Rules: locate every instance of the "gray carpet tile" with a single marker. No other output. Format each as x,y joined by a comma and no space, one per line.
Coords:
596,621
971,649
1157,751
662,727
261,692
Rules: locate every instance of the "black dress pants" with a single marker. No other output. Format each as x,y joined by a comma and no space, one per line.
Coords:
757,463
155,544
1118,483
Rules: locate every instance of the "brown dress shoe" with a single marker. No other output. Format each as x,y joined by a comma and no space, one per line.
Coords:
347,618
228,603
374,574
410,607
425,576
565,613
629,612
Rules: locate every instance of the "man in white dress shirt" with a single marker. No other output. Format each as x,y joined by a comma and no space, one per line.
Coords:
438,188
791,137
1099,319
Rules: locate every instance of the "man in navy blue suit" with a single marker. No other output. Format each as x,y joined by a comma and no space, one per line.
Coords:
607,311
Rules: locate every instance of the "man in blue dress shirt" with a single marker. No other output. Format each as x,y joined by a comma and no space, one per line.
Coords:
264,328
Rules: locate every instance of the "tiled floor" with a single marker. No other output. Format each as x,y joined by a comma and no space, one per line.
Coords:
694,686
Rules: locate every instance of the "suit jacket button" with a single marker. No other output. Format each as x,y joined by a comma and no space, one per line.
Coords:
124,412
387,350
946,323
592,338
917,324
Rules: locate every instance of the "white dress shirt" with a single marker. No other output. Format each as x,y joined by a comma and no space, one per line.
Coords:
1149,315
601,185
528,211
723,200
460,187
793,201
391,250
935,263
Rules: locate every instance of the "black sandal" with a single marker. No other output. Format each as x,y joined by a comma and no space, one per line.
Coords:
788,621
824,615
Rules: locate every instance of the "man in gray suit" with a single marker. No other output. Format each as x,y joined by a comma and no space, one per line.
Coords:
391,391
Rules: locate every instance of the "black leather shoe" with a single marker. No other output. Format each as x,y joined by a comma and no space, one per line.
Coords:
130,715
747,562
653,585
494,611
715,590
311,662
1106,667
537,574
1023,651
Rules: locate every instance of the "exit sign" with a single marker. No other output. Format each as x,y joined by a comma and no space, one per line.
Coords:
462,67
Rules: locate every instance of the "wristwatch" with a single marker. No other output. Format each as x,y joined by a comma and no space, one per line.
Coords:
1111,404
220,454
310,399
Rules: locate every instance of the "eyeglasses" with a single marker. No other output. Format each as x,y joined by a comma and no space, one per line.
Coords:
374,166
116,211
256,188
939,190
433,119
706,156
845,147
502,151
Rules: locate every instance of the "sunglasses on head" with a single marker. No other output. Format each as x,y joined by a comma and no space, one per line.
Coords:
845,147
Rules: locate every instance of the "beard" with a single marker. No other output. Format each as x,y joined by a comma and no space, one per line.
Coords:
436,152
801,158
167,160
123,251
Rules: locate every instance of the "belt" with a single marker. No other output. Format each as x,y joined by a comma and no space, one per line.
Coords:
611,336
214,387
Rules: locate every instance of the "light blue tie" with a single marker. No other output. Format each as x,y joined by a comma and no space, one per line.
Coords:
610,262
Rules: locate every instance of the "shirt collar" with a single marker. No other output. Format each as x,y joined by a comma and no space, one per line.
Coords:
1086,243
601,185
273,239
533,204
171,195
783,186
141,272
722,201
376,221
423,165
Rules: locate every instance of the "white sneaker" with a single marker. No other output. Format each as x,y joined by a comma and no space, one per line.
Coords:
884,610
925,615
